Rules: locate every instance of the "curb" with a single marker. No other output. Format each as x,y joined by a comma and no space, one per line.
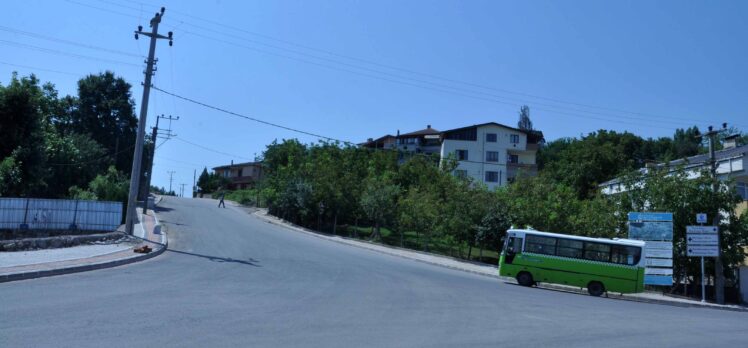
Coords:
90,267
544,286
82,268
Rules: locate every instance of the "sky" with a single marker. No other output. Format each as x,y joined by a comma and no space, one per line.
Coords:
352,70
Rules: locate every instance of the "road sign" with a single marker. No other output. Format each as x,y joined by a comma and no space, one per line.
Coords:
702,239
658,253
651,262
634,216
651,279
701,229
701,218
703,250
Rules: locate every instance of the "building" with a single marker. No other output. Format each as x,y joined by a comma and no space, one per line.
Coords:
732,163
424,141
241,175
385,142
492,153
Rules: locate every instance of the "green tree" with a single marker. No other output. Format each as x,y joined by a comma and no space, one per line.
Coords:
379,202
105,112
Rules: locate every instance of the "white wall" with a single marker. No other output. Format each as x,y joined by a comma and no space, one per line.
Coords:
477,152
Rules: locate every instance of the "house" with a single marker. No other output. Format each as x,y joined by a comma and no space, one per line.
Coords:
492,153
732,163
241,175
424,141
385,142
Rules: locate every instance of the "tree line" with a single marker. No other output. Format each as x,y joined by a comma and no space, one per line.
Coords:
67,147
419,203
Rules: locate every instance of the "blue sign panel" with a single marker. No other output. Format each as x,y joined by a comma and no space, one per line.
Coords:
651,230
663,280
650,216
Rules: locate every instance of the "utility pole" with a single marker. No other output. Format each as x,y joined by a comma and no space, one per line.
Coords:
171,178
137,157
194,183
719,272
154,137
181,190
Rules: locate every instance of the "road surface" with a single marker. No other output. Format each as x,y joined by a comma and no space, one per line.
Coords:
230,279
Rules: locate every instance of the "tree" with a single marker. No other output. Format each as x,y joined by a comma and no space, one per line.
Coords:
203,181
524,122
379,201
105,111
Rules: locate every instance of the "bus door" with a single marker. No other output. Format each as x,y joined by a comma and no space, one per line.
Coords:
512,247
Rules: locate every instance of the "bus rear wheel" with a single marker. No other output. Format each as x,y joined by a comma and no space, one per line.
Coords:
595,288
525,279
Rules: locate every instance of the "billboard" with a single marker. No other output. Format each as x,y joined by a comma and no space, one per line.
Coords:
656,229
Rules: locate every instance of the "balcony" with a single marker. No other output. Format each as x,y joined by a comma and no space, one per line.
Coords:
513,169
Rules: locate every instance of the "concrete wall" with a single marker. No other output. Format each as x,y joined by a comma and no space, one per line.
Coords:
477,152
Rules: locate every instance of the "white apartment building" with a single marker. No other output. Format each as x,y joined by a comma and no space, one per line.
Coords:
492,153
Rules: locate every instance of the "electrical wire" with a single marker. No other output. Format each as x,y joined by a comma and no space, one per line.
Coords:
67,42
74,55
41,69
210,149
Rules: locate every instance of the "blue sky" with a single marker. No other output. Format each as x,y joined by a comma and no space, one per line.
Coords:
352,70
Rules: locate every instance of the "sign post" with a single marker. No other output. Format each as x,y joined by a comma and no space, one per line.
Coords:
702,241
656,229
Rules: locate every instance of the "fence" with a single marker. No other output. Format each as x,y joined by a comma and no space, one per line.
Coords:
59,214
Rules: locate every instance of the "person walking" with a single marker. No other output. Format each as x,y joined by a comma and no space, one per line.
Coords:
221,202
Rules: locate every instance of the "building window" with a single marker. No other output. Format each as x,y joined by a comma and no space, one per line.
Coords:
513,159
241,171
492,156
490,137
514,138
742,189
462,155
492,176
462,174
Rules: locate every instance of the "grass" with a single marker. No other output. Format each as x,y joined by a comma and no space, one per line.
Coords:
412,241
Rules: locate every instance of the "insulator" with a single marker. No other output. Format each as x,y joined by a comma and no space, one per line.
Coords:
171,43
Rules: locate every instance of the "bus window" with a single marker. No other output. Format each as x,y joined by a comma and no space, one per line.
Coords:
625,255
513,247
597,251
570,248
541,245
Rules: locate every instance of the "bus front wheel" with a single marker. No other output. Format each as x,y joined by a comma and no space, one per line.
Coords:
595,288
525,279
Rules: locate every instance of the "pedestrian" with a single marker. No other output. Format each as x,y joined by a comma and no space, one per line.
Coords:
221,203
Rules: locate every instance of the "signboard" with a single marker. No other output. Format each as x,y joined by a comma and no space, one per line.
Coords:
702,229
656,229
701,218
659,262
658,280
703,250
702,239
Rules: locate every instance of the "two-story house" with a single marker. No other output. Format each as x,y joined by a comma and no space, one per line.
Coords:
491,153
424,141
241,175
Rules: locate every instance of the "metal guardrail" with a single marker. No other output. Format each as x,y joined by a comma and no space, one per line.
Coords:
59,214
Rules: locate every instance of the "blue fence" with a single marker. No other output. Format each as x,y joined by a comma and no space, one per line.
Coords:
59,214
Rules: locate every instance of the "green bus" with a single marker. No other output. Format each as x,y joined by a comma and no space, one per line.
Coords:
600,265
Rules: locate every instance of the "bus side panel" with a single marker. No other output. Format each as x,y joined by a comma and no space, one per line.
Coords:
575,272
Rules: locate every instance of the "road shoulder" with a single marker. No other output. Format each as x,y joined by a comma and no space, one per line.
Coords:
484,269
51,262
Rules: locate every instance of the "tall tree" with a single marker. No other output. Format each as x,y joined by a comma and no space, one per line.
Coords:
105,112
524,122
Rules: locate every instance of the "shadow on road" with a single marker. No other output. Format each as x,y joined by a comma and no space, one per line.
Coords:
250,262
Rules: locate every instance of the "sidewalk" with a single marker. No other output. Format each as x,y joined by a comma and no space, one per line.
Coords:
484,269
30,264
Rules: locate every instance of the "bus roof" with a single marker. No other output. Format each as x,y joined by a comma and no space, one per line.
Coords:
631,242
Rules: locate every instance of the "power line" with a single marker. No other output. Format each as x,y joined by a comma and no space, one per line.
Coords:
52,51
648,118
209,149
41,69
67,42
409,71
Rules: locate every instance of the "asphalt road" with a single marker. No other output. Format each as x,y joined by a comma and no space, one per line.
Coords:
233,280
